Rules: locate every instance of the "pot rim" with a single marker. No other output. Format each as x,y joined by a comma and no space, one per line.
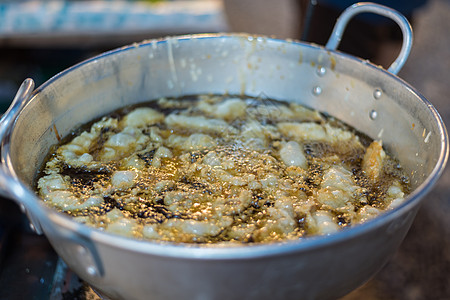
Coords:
188,251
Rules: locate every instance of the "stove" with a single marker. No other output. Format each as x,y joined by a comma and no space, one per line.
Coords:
29,267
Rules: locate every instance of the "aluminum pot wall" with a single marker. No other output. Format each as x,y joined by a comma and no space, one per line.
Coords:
322,268
374,101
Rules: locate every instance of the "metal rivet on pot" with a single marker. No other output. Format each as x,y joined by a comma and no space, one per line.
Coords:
91,271
88,261
22,208
373,114
321,71
82,250
32,227
317,90
377,93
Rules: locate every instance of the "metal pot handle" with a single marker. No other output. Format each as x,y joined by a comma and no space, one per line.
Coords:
22,97
9,186
76,244
390,13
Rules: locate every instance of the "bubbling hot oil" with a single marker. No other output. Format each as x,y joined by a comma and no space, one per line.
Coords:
226,185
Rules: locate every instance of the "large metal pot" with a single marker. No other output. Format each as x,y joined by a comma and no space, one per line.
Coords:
363,95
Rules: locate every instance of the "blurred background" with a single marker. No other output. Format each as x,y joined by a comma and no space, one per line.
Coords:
38,39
